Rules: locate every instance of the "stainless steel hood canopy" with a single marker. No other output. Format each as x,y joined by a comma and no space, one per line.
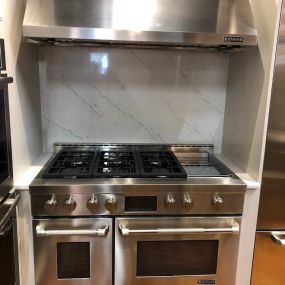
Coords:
178,23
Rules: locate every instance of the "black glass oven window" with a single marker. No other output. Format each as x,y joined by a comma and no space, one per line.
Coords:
174,258
4,168
73,260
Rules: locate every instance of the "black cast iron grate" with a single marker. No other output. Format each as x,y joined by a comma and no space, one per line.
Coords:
160,164
116,164
71,164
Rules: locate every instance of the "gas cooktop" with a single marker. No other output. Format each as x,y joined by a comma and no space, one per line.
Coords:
133,161
109,179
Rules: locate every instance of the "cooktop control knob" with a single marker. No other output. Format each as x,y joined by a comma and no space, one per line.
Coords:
51,205
217,201
111,204
170,202
187,202
93,204
69,204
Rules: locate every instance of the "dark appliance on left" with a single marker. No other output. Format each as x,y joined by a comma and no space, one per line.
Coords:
8,199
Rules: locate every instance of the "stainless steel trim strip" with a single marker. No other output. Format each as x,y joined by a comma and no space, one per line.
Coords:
175,147
235,228
12,202
101,232
276,237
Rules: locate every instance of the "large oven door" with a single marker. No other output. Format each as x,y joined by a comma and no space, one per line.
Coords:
73,251
184,251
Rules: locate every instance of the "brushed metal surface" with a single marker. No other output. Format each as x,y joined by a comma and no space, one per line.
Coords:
272,200
45,251
192,148
164,22
268,261
269,256
201,195
278,237
126,249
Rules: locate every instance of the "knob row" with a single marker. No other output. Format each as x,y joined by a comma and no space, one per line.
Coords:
69,205
112,204
187,203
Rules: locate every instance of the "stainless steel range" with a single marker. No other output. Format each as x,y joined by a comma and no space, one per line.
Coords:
136,215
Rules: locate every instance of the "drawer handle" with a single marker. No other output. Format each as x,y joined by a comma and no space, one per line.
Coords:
5,80
12,204
276,237
235,228
101,232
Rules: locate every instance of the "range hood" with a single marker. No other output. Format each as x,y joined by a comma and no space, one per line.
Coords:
170,23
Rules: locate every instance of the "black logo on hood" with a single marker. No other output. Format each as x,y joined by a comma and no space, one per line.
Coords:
233,39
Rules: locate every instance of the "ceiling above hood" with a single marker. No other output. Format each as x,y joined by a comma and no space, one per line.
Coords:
170,23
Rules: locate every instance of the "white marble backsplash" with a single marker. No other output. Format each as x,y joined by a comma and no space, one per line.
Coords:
132,96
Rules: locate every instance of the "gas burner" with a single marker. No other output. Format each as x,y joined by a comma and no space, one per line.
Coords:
160,164
120,163
71,164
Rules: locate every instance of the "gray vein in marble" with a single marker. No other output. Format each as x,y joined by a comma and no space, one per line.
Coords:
93,107
191,85
157,134
205,100
156,137
70,132
176,116
138,59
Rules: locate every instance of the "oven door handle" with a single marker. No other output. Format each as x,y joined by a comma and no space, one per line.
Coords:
6,229
233,229
42,232
12,204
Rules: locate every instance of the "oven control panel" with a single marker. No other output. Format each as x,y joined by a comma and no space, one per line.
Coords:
173,203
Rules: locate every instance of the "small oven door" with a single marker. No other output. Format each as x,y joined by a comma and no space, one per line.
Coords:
73,251
184,251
